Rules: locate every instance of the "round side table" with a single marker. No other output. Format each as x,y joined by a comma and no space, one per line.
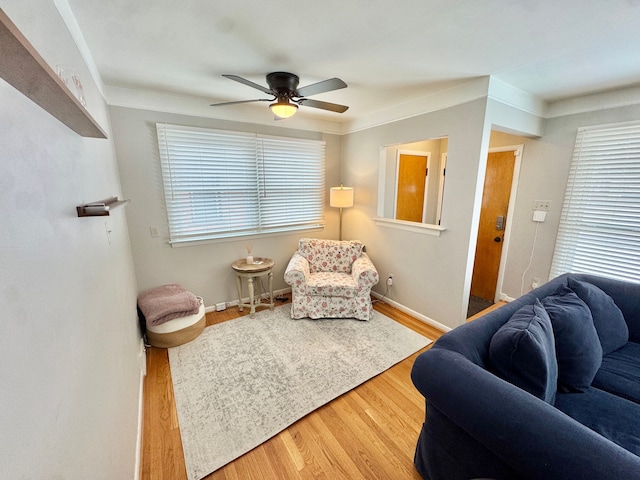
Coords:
259,268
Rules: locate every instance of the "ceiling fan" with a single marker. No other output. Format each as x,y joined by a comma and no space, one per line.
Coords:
287,96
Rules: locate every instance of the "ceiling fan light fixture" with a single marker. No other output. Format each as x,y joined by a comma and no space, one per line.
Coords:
283,109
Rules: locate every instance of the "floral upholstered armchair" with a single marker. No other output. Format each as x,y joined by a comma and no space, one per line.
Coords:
331,279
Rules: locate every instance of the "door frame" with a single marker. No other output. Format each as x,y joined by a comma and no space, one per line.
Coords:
518,150
441,182
417,153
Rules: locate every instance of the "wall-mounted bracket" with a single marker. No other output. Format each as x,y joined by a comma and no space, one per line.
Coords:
101,208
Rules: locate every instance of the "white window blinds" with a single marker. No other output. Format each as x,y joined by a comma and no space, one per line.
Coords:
225,184
599,229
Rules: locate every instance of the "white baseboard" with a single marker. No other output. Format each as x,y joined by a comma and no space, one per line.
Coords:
143,373
234,303
413,313
506,298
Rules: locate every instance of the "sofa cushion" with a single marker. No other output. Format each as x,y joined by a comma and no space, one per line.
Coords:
611,416
578,348
620,372
607,317
522,352
332,285
330,255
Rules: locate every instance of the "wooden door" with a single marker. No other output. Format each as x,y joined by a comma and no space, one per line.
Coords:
495,204
412,174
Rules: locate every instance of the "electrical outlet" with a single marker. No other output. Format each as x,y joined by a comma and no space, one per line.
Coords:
544,205
221,306
390,280
535,283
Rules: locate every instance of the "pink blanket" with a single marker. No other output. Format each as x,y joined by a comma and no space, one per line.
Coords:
161,304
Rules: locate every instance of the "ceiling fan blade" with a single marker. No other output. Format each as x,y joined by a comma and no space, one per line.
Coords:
320,87
333,107
248,83
242,101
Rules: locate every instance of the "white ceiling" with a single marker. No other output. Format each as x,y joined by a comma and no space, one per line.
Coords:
388,52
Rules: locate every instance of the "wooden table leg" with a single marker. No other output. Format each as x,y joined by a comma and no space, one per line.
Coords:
271,303
239,287
251,299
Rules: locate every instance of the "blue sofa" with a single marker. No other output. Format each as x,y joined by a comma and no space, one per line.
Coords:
545,387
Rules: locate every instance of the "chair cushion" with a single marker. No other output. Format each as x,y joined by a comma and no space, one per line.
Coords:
330,255
607,317
578,348
523,353
611,416
329,284
620,372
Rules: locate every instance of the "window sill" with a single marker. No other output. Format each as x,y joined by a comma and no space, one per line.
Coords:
243,238
422,228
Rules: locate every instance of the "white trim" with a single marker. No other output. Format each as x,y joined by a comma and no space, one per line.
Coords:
423,228
517,150
200,107
382,175
441,183
506,298
234,303
244,237
621,97
483,87
413,313
70,21
438,100
514,97
143,372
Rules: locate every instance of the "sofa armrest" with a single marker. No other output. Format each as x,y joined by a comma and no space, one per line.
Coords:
297,272
526,433
364,272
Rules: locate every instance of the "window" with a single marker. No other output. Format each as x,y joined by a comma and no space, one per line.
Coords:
599,229
221,184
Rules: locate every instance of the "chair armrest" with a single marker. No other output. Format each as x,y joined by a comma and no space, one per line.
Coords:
364,272
297,271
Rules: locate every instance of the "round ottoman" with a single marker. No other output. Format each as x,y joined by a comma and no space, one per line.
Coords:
177,331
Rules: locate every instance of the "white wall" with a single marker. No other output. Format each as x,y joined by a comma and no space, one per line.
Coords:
432,274
543,176
69,346
429,271
204,269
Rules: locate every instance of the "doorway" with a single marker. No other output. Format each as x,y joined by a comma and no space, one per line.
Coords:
503,164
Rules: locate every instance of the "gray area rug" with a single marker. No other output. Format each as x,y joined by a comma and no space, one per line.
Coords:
243,381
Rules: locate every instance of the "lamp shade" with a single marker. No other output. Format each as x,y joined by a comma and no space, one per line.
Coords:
341,197
284,109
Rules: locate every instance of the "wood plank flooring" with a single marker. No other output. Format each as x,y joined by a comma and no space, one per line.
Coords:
367,433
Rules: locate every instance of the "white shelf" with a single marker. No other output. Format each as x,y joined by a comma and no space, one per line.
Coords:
22,67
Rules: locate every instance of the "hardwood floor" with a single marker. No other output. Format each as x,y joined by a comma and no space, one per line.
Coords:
367,433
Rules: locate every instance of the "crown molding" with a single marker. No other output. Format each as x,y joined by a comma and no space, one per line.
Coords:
71,23
621,97
200,107
449,97
514,97
481,87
